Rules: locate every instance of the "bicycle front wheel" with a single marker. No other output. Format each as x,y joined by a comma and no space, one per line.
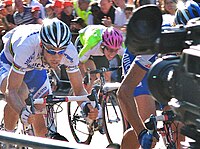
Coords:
79,128
113,119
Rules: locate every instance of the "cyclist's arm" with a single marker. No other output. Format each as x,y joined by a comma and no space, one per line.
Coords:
76,83
13,88
125,96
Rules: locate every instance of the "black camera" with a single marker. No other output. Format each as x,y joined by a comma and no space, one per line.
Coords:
174,78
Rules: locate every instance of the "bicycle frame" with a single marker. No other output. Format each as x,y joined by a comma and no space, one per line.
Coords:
49,113
167,117
106,100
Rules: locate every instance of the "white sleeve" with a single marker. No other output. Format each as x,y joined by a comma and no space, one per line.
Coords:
70,59
120,17
90,19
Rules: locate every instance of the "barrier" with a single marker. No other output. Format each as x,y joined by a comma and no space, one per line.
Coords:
37,142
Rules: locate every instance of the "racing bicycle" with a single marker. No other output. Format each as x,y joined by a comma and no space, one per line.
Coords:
112,118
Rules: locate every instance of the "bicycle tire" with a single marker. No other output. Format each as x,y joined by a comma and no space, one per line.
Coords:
78,125
116,123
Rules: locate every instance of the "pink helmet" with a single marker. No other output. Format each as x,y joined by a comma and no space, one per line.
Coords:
112,38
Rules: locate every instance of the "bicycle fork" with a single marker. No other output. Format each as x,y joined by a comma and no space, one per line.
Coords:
106,98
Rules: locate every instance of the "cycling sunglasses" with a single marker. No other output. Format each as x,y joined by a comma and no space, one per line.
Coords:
110,50
54,52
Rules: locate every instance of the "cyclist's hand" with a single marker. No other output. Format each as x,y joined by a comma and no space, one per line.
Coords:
93,114
145,139
26,116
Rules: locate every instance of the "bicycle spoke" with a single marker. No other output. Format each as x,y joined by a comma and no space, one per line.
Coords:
113,120
78,125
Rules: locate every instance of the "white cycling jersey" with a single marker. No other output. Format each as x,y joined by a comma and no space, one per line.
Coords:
23,50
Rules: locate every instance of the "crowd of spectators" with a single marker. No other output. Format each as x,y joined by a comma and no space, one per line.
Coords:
75,13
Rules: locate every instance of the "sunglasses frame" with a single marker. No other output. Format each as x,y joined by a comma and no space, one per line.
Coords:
110,50
54,52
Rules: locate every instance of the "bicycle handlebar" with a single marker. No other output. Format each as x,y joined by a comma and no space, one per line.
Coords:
103,69
100,71
166,117
57,99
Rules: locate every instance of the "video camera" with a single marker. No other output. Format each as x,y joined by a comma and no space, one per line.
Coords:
174,78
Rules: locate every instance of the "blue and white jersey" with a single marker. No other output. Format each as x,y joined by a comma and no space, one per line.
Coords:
144,62
23,50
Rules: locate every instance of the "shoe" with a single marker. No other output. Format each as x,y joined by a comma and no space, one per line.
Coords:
57,136
114,146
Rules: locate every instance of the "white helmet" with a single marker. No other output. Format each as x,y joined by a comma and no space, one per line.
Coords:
55,33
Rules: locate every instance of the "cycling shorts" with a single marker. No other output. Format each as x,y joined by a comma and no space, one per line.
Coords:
36,80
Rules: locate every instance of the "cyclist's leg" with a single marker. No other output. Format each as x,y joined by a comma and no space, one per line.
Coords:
39,85
128,141
145,106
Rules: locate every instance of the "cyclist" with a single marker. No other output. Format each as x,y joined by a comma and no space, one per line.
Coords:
138,71
100,45
28,52
133,95
189,11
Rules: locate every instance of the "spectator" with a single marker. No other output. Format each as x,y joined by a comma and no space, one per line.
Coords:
120,3
3,24
32,3
23,14
128,12
58,7
76,24
8,4
6,16
67,13
94,18
170,7
82,9
111,16
45,2
139,3
35,12
169,12
49,11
